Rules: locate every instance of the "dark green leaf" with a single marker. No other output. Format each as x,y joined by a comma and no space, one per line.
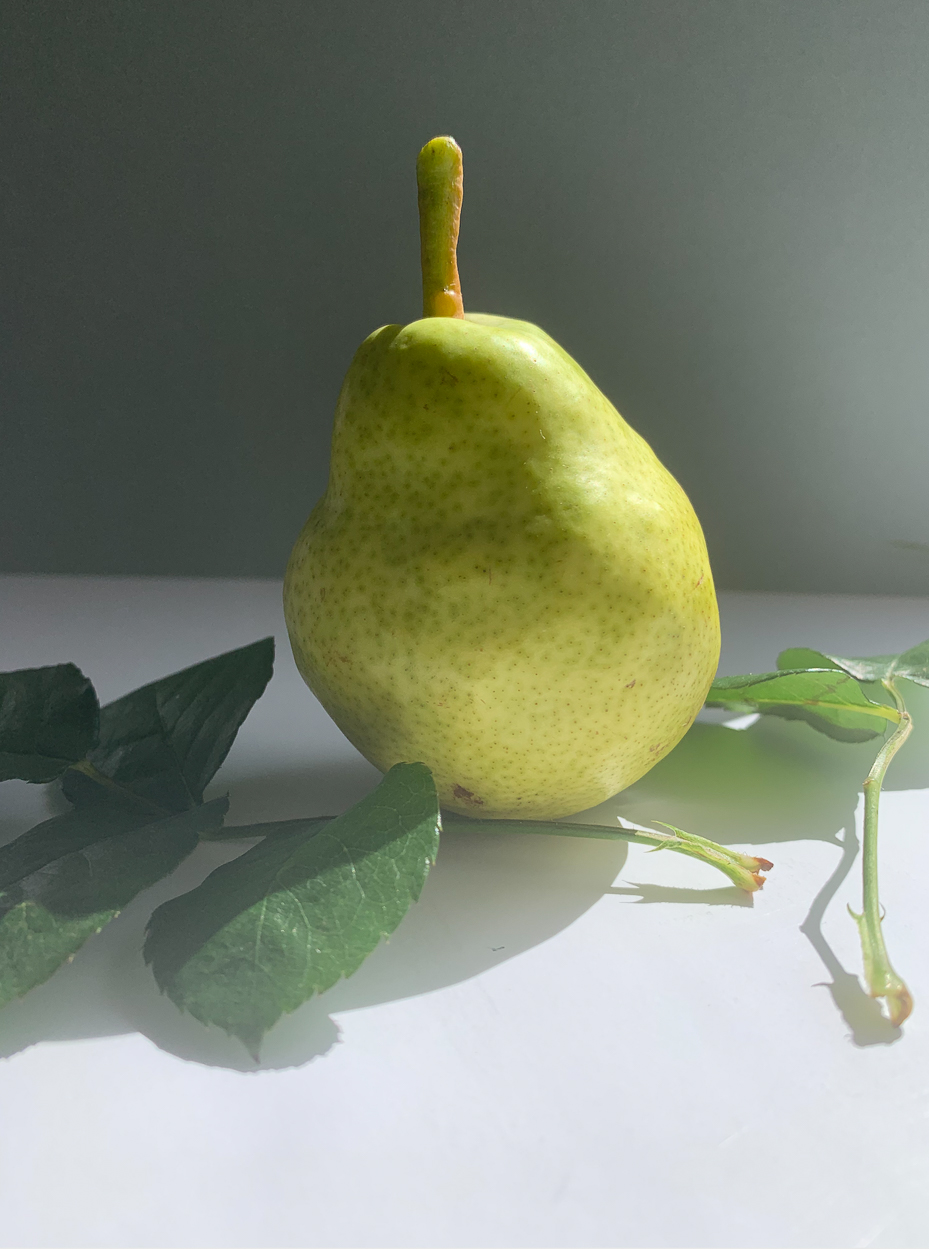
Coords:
65,834
66,879
48,720
297,912
831,702
164,742
912,664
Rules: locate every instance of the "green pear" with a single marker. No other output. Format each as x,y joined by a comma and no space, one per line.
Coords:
501,581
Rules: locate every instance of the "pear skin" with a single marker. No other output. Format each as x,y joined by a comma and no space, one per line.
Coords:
501,581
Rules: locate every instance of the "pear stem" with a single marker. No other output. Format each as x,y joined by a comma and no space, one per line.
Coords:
439,179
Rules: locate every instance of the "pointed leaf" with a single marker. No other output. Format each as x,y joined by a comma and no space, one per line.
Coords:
74,874
831,702
912,664
877,668
297,912
48,720
164,742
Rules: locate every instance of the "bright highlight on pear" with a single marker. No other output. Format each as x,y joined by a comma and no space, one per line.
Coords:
501,580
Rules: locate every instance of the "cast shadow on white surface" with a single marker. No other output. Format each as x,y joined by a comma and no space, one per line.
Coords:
731,896
860,1011
488,897
775,782
491,896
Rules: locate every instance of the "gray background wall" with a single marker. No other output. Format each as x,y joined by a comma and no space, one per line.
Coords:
720,209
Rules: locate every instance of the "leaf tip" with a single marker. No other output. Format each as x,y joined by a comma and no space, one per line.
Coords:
251,1038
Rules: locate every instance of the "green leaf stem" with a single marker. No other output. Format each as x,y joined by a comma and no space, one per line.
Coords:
824,690
743,870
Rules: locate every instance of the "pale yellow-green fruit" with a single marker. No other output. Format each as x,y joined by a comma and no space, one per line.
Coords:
501,581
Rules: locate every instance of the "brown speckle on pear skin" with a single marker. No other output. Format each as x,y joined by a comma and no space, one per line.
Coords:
465,795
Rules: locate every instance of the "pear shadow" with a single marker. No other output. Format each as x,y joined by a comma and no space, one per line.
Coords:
769,783
323,787
773,782
490,896
778,780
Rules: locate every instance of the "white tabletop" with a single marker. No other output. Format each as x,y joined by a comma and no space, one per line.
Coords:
566,1043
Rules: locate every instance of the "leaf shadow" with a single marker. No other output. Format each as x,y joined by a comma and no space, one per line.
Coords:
19,814
778,781
731,896
490,896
